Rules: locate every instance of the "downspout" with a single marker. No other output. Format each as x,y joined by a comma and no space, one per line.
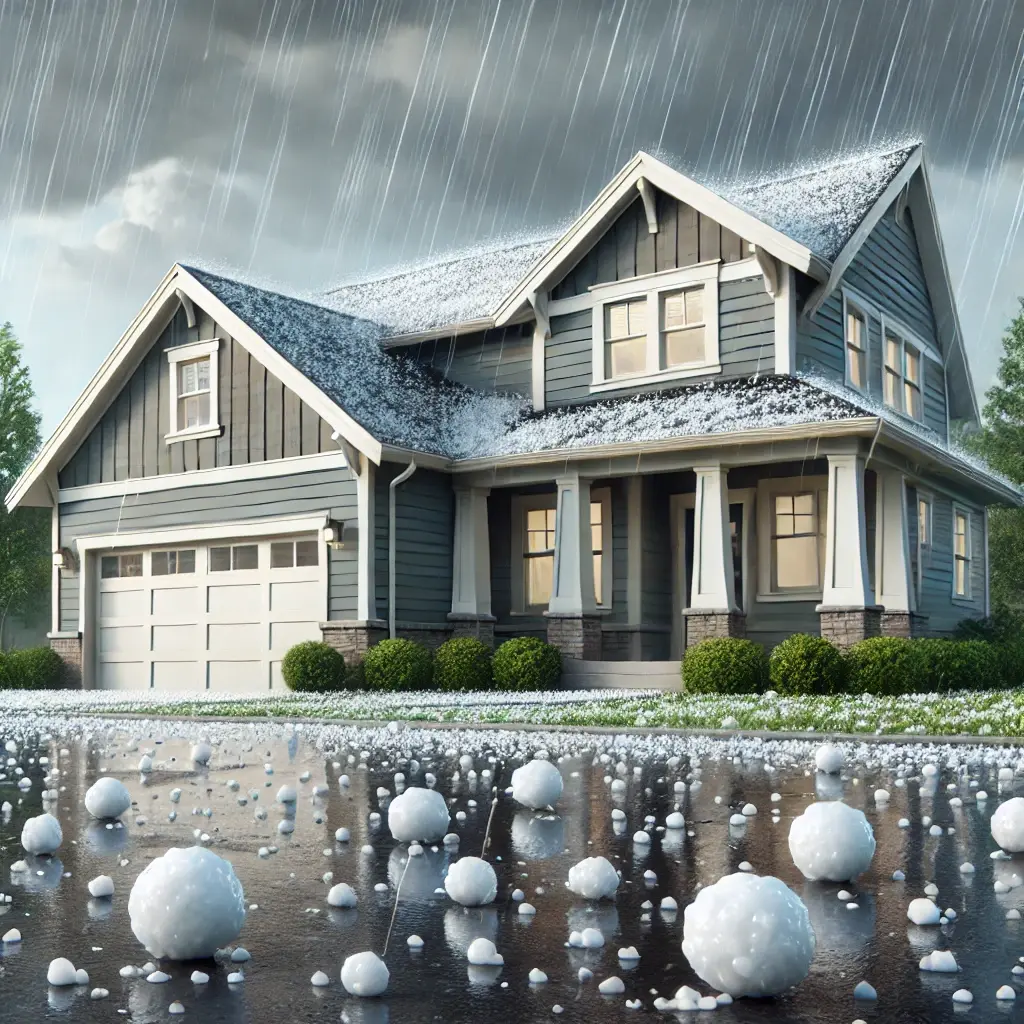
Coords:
392,488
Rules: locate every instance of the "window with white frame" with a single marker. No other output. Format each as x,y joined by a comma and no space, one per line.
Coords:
792,516
234,557
173,563
924,537
121,566
289,554
901,387
657,327
961,553
856,348
534,550
193,390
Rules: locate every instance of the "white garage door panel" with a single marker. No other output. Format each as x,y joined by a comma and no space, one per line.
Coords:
276,679
121,639
235,639
175,639
123,675
235,601
237,676
176,603
179,675
294,600
285,634
122,604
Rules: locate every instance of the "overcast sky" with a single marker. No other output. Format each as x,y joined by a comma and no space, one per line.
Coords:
308,142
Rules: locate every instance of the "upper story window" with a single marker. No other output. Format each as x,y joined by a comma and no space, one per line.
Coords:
193,390
658,327
856,349
961,554
902,384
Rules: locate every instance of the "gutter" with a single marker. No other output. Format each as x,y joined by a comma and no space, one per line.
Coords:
392,488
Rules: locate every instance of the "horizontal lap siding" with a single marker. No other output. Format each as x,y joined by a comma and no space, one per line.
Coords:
656,551
820,344
331,491
498,360
937,570
424,531
568,358
620,553
128,440
769,623
935,397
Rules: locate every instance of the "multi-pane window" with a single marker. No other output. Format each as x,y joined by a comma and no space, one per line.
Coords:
114,567
856,349
625,337
235,557
924,523
902,383
797,541
682,327
193,393
539,554
961,553
597,547
287,554
174,563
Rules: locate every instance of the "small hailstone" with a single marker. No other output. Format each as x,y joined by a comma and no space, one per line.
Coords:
737,820
61,972
592,938
81,976
931,889
342,835
629,954
129,971
749,810
941,961
414,942
381,887
961,995
745,865
200,978
367,850
862,990
881,796
903,823
967,868
319,980
668,903
527,910
612,986
11,937
844,895
923,912
584,974
1013,915
158,977
239,955
236,978
99,993
1005,993
935,830
642,838
537,977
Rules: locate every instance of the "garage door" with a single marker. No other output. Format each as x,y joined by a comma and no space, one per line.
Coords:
217,615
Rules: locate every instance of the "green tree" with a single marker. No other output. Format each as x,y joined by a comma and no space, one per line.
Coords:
1001,443
24,533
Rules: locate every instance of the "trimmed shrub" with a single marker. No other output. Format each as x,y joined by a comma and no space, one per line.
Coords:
526,663
463,663
1003,626
398,664
1010,659
313,667
885,666
807,664
31,668
725,665
959,665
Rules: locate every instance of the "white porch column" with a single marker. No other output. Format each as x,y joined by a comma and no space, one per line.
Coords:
892,545
846,561
572,591
713,587
471,571
365,566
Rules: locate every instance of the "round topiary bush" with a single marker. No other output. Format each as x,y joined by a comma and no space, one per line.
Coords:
463,663
725,665
807,664
398,664
526,663
959,665
313,667
31,668
885,666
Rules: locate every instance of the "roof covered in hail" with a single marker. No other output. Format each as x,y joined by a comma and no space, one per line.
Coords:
822,206
462,286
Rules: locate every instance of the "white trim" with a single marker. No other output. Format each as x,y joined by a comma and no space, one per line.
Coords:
928,497
846,566
767,488
55,570
186,304
888,325
366,579
188,353
471,559
963,510
193,433
236,529
769,268
193,350
204,477
894,588
541,333
660,280
785,322
713,586
879,313
638,379
740,270
849,299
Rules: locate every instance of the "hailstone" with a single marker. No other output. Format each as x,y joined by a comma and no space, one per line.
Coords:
472,882
107,798
42,834
482,953
594,879
364,974
202,752
1008,825
748,935
342,895
831,842
829,759
61,972
418,814
537,784
186,904
101,886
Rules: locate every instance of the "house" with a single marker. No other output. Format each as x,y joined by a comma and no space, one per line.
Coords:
696,412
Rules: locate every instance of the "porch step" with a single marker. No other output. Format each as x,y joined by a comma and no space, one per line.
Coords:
620,675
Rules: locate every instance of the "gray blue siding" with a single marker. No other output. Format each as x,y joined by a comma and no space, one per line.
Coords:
332,491
497,360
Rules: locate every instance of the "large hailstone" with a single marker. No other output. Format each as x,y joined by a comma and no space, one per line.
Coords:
594,879
831,842
829,759
472,882
537,784
1008,825
107,798
364,974
187,904
748,935
418,814
42,834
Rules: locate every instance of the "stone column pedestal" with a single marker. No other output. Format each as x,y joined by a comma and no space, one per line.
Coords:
904,624
353,637
709,623
576,636
847,626
480,627
69,647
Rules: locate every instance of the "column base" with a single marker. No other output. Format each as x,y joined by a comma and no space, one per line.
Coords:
576,636
427,634
69,647
479,627
353,637
712,623
845,627
904,624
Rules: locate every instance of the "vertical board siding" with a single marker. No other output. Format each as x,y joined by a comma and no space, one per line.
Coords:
746,336
128,441
656,558
619,553
498,360
332,491
627,249
424,533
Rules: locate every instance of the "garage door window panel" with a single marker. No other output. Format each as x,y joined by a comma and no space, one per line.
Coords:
122,566
236,558
174,563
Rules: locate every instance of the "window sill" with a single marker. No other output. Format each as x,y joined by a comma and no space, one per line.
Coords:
903,416
195,434
963,599
633,380
793,595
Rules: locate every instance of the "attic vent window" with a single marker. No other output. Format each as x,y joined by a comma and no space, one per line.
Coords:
193,391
